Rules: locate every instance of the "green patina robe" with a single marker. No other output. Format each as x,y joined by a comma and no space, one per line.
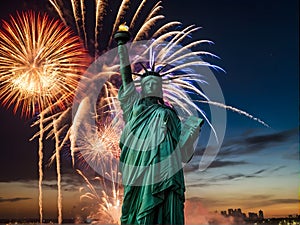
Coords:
150,161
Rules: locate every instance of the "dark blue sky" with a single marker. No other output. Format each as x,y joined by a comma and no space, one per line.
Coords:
258,43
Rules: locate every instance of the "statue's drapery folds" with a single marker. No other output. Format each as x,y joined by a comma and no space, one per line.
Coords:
150,165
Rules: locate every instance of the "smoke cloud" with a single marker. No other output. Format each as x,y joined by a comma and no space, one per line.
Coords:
196,214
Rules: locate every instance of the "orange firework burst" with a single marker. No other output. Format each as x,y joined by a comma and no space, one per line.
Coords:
40,62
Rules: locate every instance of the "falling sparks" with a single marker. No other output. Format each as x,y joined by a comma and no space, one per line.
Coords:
108,199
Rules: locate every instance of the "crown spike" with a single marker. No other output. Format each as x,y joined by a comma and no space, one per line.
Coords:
153,66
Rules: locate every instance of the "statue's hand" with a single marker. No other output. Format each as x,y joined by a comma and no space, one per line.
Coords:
189,133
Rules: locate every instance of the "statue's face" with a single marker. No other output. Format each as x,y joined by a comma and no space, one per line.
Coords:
152,87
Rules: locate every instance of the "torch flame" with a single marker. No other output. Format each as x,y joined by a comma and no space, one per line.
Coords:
123,27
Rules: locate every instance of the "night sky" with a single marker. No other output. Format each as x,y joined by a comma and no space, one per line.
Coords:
256,168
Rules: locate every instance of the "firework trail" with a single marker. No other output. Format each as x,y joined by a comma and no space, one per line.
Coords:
40,166
235,110
100,12
56,128
40,64
57,156
82,113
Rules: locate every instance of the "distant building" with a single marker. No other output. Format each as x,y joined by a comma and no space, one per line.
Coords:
260,214
252,216
224,213
239,216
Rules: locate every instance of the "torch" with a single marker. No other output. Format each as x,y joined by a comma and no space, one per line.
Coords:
122,36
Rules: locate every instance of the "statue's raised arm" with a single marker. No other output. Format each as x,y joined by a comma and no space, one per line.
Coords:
127,94
122,37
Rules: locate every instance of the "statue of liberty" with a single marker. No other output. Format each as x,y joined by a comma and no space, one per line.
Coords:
153,145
